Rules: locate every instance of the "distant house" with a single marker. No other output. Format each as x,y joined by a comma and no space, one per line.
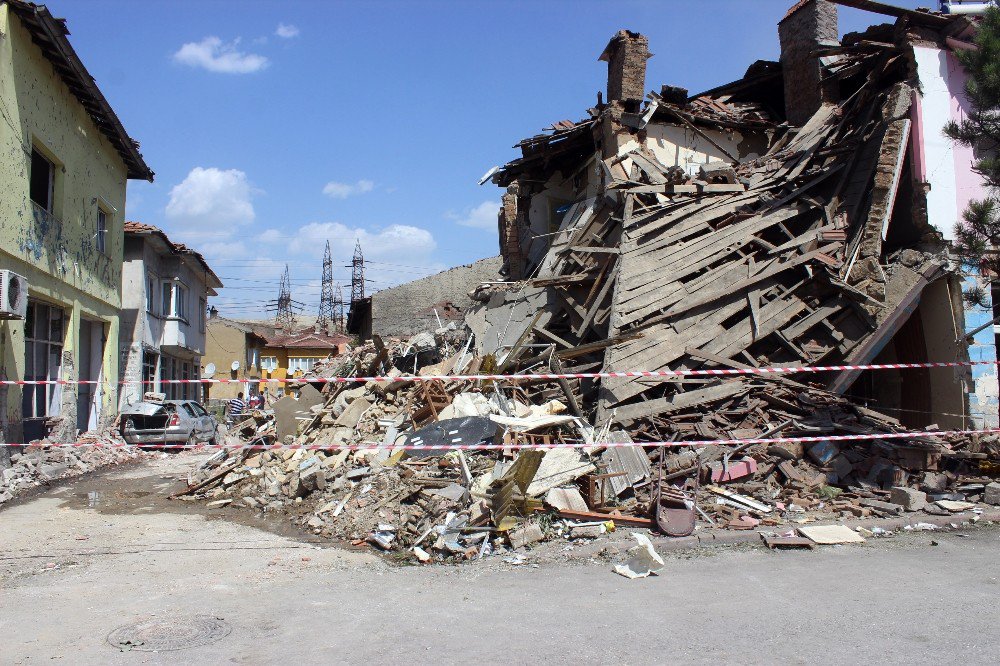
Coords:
65,162
294,354
233,349
165,290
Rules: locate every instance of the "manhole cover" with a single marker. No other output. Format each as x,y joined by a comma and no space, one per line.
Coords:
163,634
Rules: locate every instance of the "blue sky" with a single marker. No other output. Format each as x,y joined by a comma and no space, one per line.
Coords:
274,126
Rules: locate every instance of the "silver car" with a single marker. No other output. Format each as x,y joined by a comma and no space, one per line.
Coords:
167,421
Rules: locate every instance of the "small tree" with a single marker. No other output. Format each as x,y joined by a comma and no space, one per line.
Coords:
977,234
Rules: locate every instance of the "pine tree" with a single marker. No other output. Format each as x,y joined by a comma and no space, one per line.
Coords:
977,234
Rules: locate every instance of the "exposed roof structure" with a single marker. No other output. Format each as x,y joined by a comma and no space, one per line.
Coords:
812,252
141,229
50,35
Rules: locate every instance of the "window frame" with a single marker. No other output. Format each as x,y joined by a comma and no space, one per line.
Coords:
180,301
151,293
50,205
166,298
44,348
150,368
102,229
303,363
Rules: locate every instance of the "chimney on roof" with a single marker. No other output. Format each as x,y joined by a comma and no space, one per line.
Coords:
626,55
807,26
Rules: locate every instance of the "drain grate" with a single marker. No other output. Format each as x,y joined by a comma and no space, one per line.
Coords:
164,634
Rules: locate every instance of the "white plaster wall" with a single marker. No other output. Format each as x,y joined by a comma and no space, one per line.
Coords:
939,158
674,145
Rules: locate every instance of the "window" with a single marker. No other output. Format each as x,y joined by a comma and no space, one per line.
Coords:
253,357
43,174
186,389
174,300
269,363
149,362
150,293
202,308
167,374
167,299
180,298
43,342
102,230
303,364
189,409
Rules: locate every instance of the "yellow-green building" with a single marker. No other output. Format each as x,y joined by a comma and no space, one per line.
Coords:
65,159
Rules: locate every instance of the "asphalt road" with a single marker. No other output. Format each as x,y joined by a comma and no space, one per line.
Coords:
101,553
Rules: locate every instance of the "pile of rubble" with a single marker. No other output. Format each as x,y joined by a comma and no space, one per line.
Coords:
41,462
378,463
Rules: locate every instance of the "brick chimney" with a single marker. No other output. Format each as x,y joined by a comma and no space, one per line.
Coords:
808,25
626,55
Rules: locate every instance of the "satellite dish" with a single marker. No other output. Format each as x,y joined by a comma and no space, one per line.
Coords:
209,371
235,366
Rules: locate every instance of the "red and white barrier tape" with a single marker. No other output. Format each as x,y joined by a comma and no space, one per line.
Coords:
708,372
488,446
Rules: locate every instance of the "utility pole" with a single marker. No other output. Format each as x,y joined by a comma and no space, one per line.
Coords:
327,309
357,274
285,319
338,309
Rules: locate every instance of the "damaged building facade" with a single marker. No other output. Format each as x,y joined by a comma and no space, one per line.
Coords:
165,291
66,159
799,216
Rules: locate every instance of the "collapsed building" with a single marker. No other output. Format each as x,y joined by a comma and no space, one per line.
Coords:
785,219
797,216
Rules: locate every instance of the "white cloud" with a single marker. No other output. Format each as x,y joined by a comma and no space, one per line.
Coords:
286,31
269,236
211,203
222,250
397,240
215,56
336,190
483,216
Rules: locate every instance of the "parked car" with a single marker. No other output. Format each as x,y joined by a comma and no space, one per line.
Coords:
167,421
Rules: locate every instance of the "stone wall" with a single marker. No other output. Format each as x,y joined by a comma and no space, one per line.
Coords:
808,25
408,309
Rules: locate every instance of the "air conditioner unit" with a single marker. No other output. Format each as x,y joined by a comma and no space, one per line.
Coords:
13,295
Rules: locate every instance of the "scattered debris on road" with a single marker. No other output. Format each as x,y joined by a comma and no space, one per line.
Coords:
41,463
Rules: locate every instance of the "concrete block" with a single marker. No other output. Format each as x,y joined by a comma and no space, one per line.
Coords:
54,470
934,482
910,499
526,535
991,495
884,507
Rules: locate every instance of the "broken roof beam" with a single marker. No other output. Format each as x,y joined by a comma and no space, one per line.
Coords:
925,18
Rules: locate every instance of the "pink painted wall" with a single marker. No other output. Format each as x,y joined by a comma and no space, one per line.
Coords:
969,185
